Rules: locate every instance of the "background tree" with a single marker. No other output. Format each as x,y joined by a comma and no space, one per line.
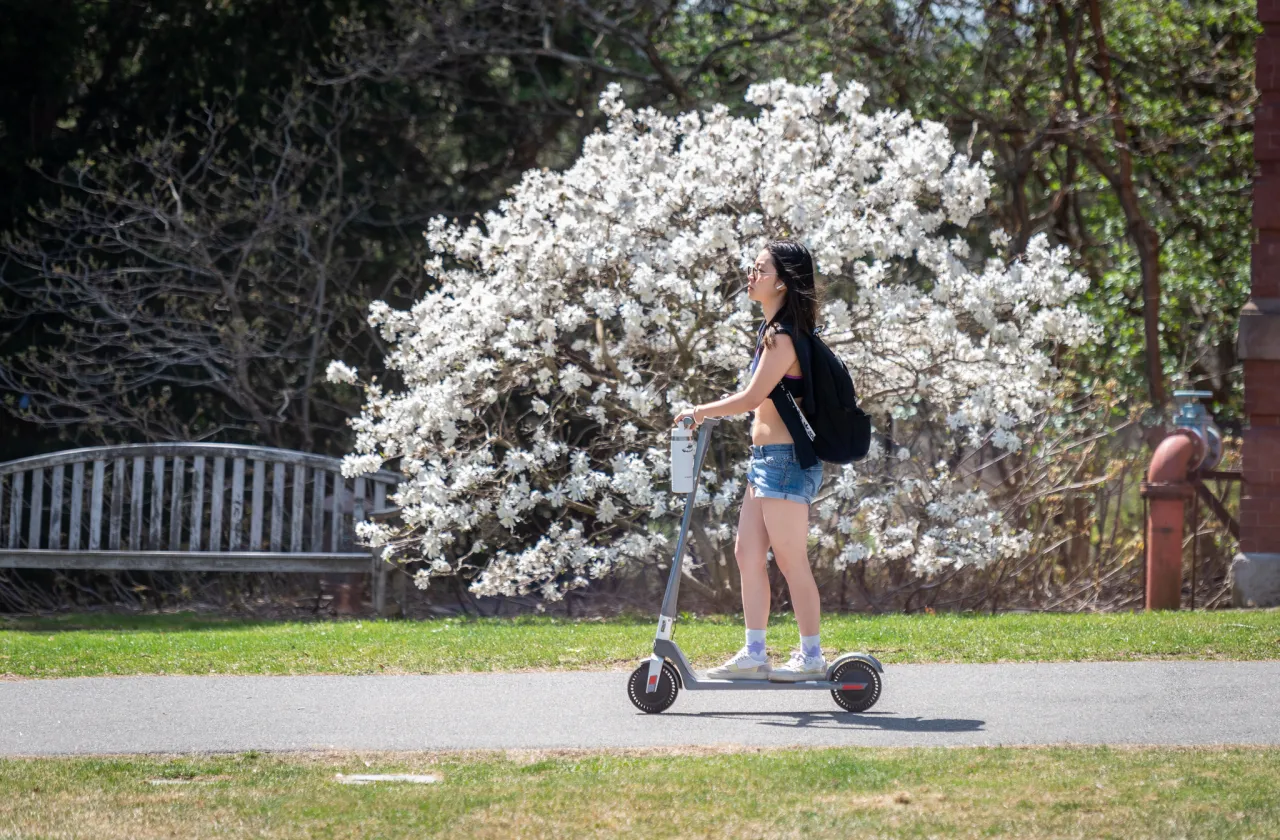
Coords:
542,376
1121,130
200,284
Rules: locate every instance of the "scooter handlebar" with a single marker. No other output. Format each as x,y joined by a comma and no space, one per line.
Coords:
710,422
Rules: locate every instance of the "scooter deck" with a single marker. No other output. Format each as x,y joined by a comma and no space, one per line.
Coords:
763,685
670,651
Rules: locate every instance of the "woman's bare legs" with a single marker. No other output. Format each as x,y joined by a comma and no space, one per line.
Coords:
787,525
751,548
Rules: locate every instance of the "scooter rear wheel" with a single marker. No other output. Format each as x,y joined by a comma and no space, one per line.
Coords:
660,700
864,686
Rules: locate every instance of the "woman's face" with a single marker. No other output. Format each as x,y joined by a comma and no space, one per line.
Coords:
763,280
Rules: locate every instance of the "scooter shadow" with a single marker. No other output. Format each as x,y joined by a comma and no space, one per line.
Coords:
883,721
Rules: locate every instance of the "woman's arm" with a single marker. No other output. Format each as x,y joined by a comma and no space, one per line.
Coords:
774,362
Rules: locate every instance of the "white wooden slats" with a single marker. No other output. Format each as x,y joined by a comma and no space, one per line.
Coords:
156,522
177,479
185,450
335,510
95,505
117,504
317,511
240,561
135,504
359,503
37,508
299,507
77,505
255,526
15,509
255,516
40,516
215,514
277,505
56,481
237,504
197,501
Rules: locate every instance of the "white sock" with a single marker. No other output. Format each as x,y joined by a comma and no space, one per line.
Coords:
755,643
810,645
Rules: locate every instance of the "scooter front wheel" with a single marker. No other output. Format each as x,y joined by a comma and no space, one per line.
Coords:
860,686
660,700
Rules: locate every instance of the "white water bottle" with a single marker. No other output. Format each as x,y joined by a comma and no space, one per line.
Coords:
683,445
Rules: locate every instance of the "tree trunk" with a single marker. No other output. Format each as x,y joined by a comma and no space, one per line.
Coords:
1145,239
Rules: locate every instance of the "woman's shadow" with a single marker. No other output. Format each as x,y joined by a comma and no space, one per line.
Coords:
883,721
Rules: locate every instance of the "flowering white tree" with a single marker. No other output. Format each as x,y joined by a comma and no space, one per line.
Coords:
540,380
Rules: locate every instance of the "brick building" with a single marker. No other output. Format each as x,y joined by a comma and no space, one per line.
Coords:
1256,571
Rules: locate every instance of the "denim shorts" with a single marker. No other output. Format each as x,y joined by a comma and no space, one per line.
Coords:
775,473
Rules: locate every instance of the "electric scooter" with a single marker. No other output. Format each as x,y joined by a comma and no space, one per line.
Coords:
853,679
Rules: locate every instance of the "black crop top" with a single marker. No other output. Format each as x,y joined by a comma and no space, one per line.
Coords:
788,390
793,385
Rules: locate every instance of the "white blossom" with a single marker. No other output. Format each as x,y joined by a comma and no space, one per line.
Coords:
540,376
339,372
354,465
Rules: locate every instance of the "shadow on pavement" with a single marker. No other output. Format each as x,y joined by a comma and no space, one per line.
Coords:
885,721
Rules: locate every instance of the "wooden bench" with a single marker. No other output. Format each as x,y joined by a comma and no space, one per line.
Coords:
173,507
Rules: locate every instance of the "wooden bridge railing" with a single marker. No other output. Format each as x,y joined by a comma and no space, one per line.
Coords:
189,507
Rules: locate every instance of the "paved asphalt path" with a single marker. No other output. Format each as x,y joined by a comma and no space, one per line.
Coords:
1080,703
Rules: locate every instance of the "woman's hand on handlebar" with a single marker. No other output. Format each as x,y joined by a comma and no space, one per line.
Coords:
691,413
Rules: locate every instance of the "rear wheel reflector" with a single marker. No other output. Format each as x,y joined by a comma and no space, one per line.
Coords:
653,680
852,686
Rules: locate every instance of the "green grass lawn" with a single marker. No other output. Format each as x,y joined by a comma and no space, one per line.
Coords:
812,793
185,643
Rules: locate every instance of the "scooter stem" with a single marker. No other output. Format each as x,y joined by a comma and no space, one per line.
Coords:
677,564
667,617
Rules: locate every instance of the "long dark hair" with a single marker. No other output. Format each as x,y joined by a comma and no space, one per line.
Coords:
794,265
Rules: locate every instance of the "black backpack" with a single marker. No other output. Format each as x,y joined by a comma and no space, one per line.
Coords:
842,431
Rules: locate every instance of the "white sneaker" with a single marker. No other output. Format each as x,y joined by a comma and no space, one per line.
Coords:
800,667
743,666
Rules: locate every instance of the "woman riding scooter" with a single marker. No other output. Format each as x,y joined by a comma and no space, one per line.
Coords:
783,474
